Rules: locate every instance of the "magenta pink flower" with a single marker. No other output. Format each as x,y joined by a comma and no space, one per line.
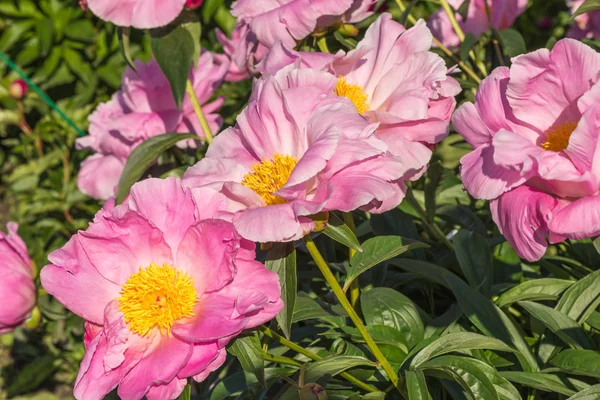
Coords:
17,291
535,133
163,286
143,108
586,25
394,80
141,14
503,14
297,151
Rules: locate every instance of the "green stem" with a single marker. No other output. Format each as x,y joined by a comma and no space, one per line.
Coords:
354,288
339,293
322,44
208,136
307,353
281,360
433,228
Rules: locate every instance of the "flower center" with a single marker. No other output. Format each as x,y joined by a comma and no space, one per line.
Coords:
157,297
557,137
267,177
354,92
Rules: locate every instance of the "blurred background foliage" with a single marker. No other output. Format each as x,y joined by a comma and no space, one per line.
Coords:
76,59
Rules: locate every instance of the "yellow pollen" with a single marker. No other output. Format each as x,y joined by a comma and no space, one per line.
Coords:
157,297
269,176
557,137
354,92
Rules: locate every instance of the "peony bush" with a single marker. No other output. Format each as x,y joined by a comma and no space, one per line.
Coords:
300,199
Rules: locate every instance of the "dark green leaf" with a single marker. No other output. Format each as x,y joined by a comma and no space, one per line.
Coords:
249,352
307,308
512,42
475,259
575,302
124,33
32,375
186,394
578,362
463,10
467,45
417,386
538,380
589,5
143,156
341,233
537,289
427,270
45,33
591,393
282,260
236,383
377,250
333,366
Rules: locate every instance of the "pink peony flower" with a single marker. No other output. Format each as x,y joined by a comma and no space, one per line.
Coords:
143,108
17,291
586,25
163,287
393,79
141,14
295,152
291,20
503,13
535,133
243,49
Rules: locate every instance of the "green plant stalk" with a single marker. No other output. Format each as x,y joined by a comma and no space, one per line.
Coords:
464,67
281,360
307,353
341,296
208,136
354,288
431,226
322,44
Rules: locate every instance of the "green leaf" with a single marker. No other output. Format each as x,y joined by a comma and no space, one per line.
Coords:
468,372
45,33
186,394
377,250
578,362
512,42
537,289
209,8
505,389
463,10
341,233
381,334
475,259
143,156
32,375
491,320
307,308
174,49
417,386
249,352
467,45
427,270
282,260
124,34
235,384
462,341
591,393
538,380
577,299
333,366
564,327
589,5
385,306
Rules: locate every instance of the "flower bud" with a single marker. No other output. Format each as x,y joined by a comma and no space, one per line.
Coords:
312,391
18,89
193,4
348,30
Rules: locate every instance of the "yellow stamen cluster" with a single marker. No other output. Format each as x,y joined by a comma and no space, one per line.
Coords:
157,296
354,92
269,176
557,137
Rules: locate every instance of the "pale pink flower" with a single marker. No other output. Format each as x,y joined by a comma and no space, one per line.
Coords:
393,79
143,108
503,15
17,290
163,287
243,49
295,152
535,131
586,25
141,14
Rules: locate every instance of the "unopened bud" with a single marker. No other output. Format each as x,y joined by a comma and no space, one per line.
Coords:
18,89
193,4
348,30
312,391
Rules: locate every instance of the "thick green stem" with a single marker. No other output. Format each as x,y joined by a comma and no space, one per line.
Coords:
354,288
208,136
307,353
281,360
341,296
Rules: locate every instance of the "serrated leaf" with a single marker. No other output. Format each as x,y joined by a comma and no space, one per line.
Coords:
564,327
578,362
512,42
537,289
417,386
377,250
282,260
337,230
249,353
457,342
588,6
475,259
143,156
538,380
575,302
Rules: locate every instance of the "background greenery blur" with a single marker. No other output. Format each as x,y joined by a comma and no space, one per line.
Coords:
76,59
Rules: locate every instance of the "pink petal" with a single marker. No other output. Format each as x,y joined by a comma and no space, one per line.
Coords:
99,176
583,149
168,391
203,354
213,366
578,220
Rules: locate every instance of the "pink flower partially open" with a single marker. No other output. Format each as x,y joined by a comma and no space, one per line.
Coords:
586,25
297,151
163,287
535,131
392,79
143,108
503,14
17,290
141,14
243,49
